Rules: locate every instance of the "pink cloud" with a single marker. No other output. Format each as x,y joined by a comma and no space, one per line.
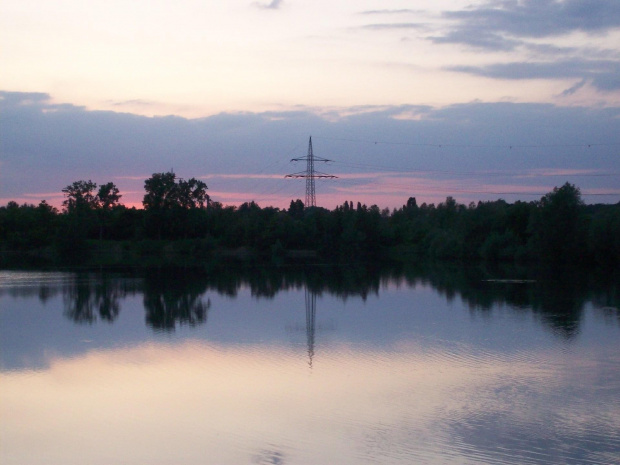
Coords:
561,172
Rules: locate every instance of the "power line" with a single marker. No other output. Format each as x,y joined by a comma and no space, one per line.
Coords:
311,174
473,173
448,190
437,145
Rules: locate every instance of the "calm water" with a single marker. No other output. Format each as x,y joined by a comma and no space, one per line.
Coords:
317,366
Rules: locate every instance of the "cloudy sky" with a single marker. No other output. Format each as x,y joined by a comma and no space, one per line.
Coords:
475,99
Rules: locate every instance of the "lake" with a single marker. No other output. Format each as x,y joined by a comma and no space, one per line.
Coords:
318,365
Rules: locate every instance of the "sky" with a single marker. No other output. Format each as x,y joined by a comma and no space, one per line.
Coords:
478,100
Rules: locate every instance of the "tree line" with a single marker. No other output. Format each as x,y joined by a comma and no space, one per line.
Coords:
559,227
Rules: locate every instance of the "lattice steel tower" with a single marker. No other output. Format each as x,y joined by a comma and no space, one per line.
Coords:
310,175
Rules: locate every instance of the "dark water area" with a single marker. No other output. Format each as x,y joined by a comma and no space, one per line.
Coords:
303,365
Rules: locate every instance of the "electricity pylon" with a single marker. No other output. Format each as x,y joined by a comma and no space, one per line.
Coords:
310,175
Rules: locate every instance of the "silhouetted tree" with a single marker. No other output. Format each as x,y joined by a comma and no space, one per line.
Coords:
604,235
80,197
107,198
161,192
296,209
167,202
192,194
27,227
559,228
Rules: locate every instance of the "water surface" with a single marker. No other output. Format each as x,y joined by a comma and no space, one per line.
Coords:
308,367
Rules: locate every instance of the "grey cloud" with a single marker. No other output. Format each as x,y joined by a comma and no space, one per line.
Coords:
609,81
554,50
487,40
603,74
573,89
23,98
45,146
25,101
503,25
539,18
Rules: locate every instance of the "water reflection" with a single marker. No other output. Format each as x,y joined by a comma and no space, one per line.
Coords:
199,403
310,298
557,295
177,297
87,299
174,298
407,365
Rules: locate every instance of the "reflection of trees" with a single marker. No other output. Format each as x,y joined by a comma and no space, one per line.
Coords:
556,294
174,297
345,282
45,293
266,282
95,296
560,305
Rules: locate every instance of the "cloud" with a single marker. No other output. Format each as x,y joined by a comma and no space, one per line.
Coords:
241,176
482,39
604,75
535,18
33,100
132,102
23,98
573,89
46,146
509,25
385,26
273,5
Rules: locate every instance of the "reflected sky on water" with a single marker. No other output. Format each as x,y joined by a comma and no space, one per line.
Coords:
307,366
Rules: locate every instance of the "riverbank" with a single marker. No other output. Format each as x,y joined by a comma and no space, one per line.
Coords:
145,253
205,254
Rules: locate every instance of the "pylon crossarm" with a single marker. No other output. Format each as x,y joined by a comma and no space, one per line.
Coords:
313,158
315,175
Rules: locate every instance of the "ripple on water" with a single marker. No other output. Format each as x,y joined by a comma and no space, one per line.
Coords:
10,279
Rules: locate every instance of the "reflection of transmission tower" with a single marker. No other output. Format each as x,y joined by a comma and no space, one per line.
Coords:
310,174
311,326
310,322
